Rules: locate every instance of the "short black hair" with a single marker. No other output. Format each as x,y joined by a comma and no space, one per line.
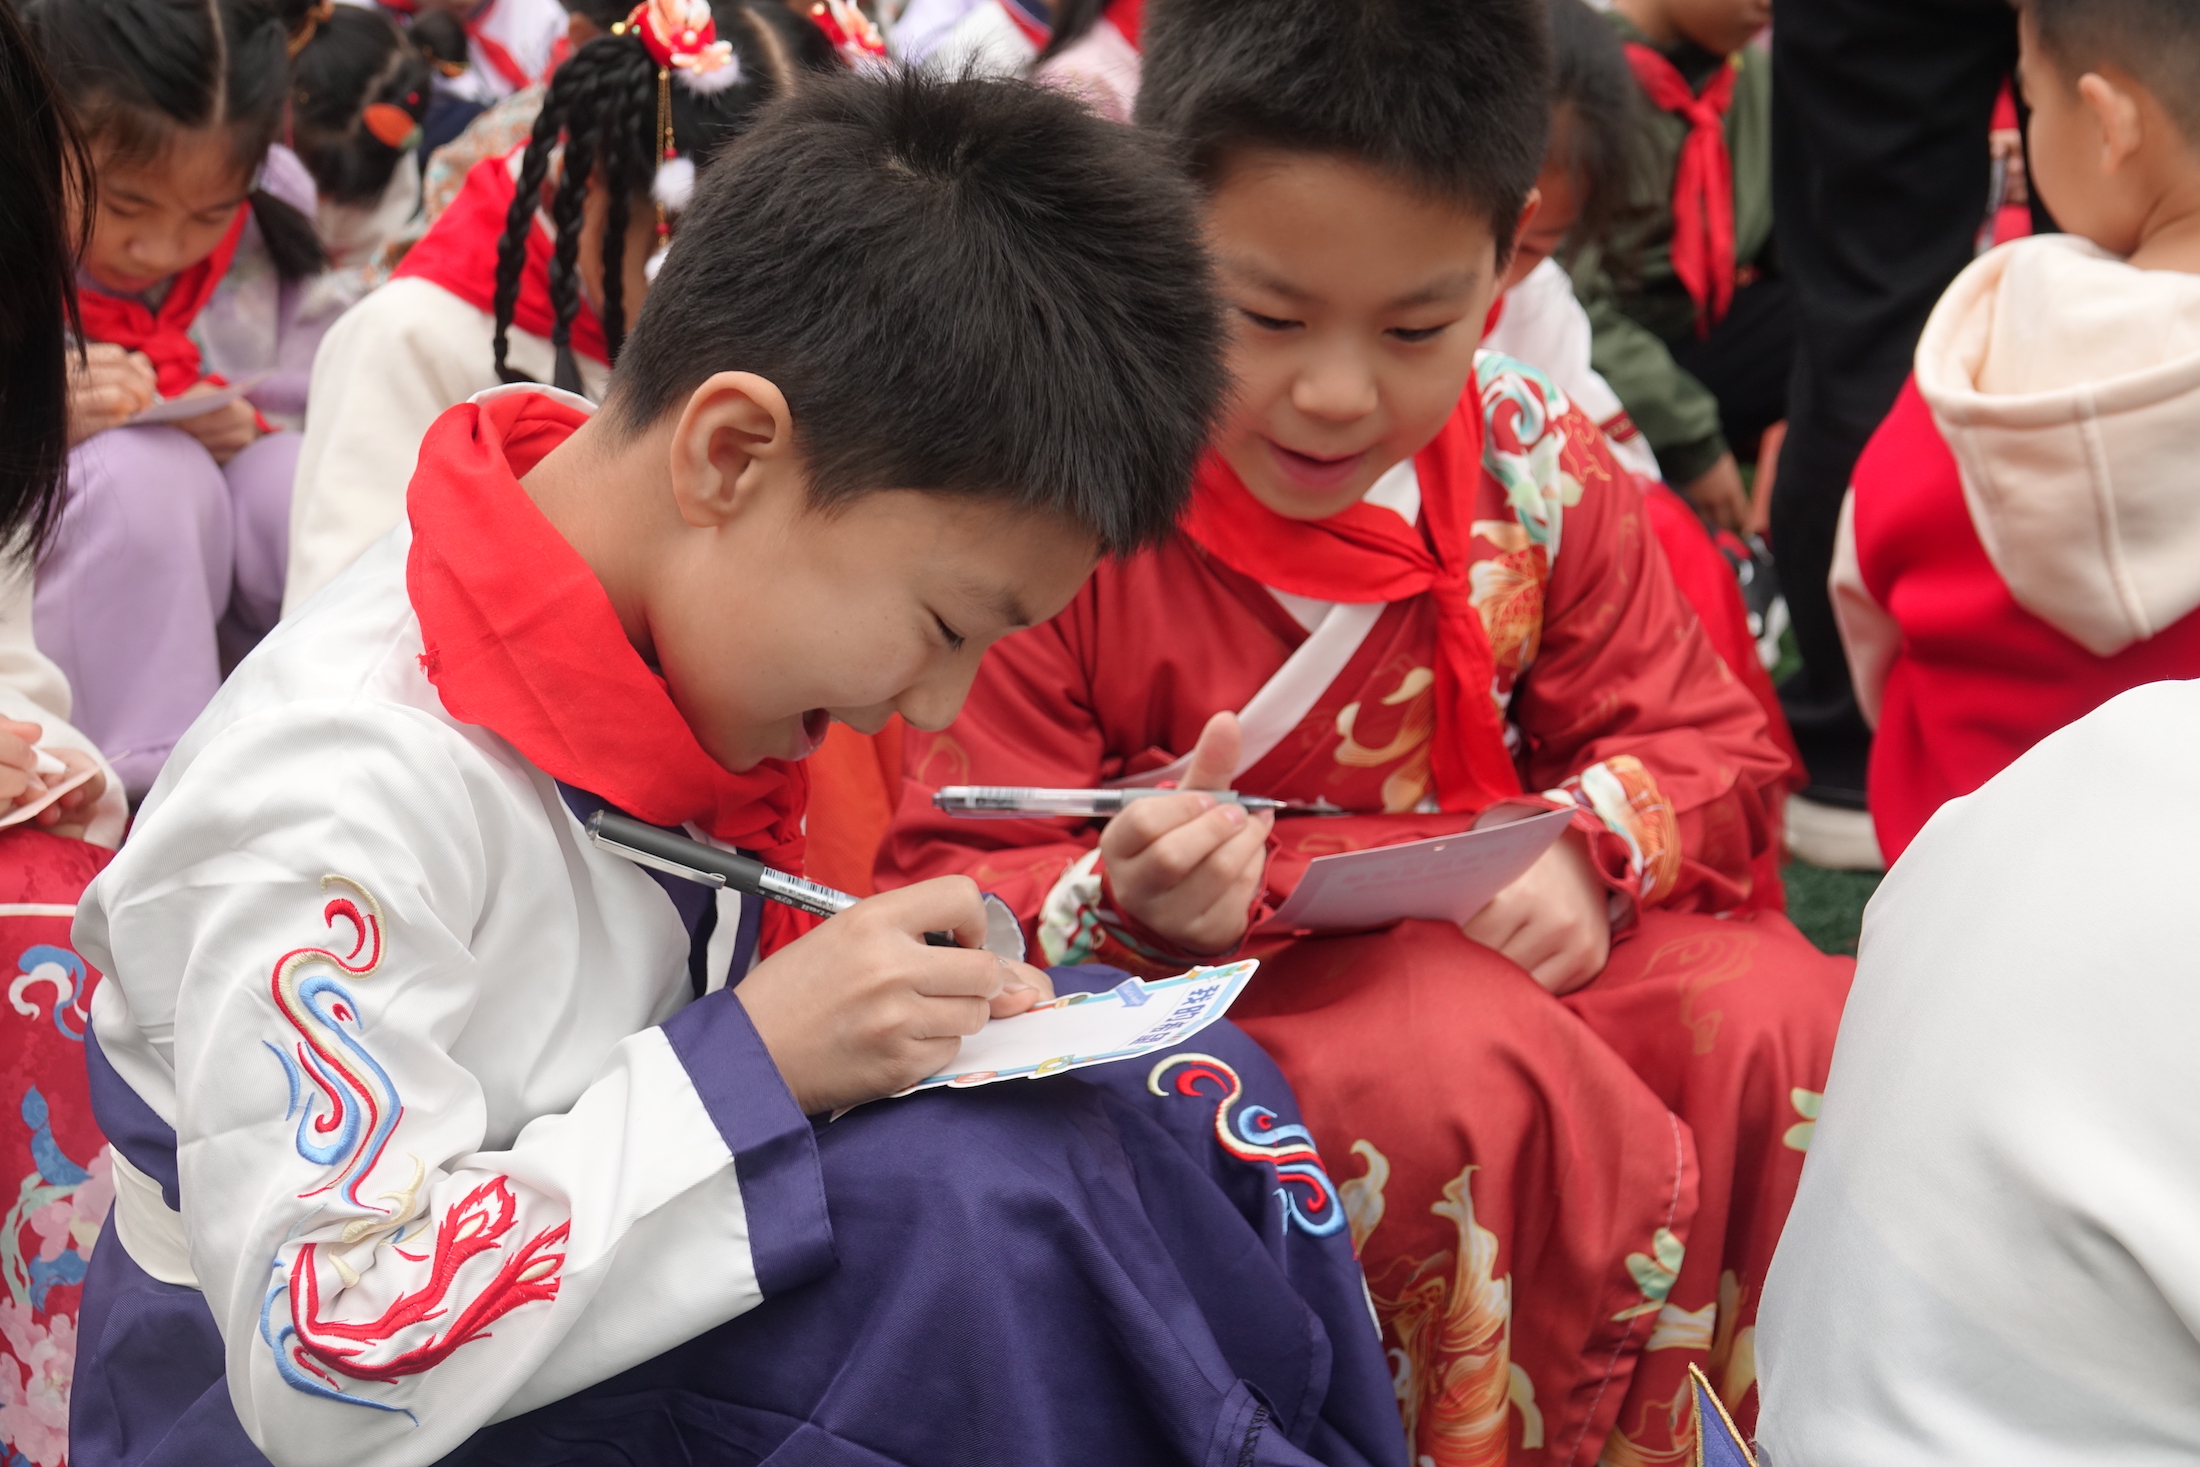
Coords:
2157,41
1591,80
1451,97
962,286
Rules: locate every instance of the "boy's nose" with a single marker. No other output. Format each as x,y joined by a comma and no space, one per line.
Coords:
1338,389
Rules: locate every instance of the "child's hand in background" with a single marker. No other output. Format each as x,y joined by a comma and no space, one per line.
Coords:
106,387
227,431
1553,921
862,1007
21,783
1188,866
1718,495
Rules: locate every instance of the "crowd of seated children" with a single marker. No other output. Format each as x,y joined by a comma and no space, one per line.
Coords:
170,530
1693,326
1493,275
2018,546
503,288
585,1212
1569,1125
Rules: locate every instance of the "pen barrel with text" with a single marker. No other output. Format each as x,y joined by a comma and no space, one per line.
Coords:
982,801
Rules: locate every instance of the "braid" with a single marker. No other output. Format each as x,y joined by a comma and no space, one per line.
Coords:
568,212
626,154
602,105
519,223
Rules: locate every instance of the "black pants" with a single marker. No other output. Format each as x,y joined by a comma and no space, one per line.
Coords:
1745,362
1880,177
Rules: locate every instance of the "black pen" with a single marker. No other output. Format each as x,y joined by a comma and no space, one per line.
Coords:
692,860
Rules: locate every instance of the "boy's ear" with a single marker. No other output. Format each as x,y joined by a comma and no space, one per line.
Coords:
734,432
2116,110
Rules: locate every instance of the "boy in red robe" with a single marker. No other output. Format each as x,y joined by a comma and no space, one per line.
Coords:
1576,1125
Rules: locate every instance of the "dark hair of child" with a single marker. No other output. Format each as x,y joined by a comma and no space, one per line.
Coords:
962,286
42,165
1593,88
602,107
136,71
604,14
1073,21
1451,97
441,39
356,59
2157,41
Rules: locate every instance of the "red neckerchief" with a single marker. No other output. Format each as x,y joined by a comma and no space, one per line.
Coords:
1703,184
519,638
492,51
1367,553
459,253
163,335
1127,16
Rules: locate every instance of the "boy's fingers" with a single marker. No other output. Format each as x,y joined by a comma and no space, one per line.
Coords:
1181,852
943,904
951,1018
959,973
1215,756
1023,975
1131,834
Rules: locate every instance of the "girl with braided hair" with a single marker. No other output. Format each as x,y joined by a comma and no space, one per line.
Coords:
536,269
170,549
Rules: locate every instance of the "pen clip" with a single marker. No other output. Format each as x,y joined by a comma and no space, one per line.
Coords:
654,862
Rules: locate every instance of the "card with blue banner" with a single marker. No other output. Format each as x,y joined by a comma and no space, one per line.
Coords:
1131,1019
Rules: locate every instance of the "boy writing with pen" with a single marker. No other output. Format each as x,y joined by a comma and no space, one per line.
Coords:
443,1133
1577,1121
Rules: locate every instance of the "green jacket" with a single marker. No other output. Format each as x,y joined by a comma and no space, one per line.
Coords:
1636,311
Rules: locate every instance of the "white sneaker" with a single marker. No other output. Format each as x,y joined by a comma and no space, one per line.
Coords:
1832,838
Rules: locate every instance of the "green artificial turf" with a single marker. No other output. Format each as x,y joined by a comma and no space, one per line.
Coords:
1828,905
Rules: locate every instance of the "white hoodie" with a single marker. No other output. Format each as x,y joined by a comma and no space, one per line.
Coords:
2067,385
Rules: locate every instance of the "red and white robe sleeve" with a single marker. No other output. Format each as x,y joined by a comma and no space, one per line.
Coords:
1628,709
417,1194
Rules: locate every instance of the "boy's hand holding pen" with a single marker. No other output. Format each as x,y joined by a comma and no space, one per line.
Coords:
875,999
1188,864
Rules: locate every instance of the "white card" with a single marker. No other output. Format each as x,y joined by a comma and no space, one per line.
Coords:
1448,878
1079,1029
176,409
16,815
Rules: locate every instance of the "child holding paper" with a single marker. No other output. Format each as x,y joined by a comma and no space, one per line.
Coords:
1575,1123
430,1114
169,528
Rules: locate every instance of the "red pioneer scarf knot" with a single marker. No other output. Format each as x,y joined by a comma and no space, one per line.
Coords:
1703,184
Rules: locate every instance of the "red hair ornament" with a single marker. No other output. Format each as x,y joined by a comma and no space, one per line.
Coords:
681,36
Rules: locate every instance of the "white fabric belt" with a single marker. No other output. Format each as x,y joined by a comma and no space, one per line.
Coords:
150,1231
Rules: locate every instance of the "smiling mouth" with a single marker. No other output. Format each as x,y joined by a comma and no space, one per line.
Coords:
1316,472
815,724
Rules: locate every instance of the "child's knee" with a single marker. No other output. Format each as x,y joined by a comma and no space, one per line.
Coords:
158,480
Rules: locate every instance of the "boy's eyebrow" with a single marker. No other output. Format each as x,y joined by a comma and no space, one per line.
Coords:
1442,288
1255,275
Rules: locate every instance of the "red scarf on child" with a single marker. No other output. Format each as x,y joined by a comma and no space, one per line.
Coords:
164,334
1127,16
520,638
1367,553
459,253
1703,185
503,62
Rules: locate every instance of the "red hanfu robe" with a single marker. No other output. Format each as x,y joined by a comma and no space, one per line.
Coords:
1560,1203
